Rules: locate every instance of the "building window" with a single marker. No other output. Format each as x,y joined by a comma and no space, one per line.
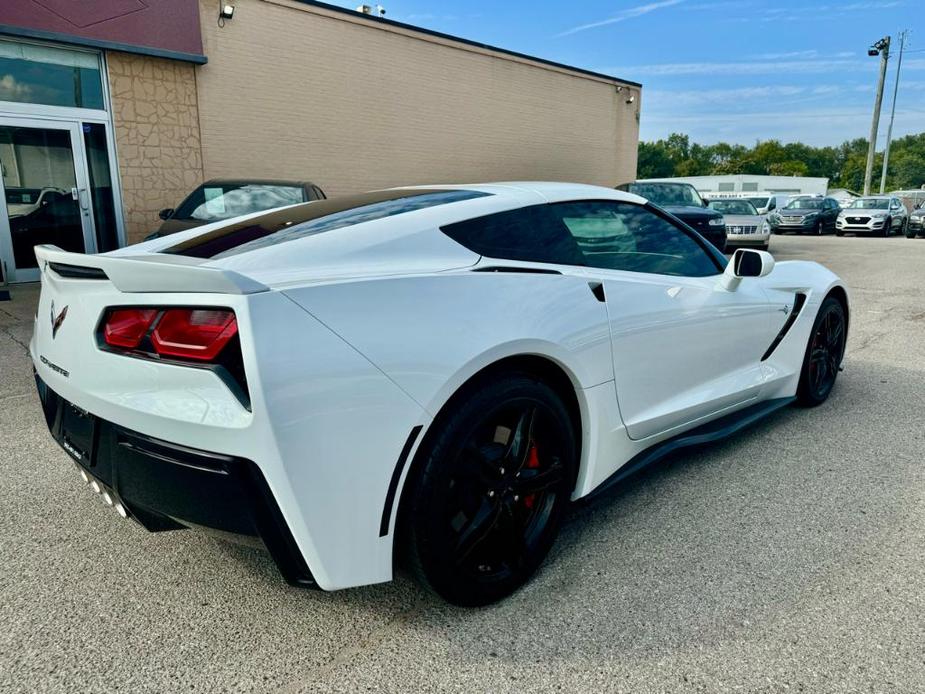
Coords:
36,74
726,187
749,187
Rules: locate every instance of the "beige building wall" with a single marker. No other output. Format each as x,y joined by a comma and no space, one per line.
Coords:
296,91
156,120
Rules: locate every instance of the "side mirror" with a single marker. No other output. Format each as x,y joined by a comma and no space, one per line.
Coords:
746,263
165,213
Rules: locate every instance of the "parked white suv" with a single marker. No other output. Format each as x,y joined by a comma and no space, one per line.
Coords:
768,202
874,214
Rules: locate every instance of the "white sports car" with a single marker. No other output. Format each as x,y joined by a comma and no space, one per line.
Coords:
427,372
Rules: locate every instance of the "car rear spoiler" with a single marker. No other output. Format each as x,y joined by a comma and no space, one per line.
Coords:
151,272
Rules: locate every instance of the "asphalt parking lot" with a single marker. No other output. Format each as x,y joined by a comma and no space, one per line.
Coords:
791,558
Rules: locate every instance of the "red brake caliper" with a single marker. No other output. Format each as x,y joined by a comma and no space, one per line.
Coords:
533,462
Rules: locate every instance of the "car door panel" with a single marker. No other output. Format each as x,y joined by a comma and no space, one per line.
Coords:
683,349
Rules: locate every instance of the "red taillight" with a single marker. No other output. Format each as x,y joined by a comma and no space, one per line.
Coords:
193,333
125,327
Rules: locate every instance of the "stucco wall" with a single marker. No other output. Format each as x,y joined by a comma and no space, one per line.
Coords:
296,91
156,119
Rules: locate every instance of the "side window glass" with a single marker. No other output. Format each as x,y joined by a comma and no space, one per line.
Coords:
772,205
531,234
624,236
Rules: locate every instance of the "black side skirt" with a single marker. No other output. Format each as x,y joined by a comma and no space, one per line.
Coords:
706,433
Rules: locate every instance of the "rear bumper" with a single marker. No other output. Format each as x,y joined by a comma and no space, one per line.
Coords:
165,486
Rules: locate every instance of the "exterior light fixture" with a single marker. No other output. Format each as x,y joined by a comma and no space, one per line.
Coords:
225,12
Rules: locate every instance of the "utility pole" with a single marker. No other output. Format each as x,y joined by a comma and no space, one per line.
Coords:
881,48
889,130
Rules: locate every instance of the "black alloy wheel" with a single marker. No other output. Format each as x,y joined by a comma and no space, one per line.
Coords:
824,354
488,497
820,227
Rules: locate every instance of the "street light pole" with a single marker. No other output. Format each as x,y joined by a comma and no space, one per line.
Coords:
882,47
889,130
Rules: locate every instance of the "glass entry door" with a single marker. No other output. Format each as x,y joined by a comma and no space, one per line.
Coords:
44,190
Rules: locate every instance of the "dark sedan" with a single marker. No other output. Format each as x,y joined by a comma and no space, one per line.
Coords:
684,202
219,199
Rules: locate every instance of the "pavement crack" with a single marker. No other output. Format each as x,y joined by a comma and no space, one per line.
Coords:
16,395
15,339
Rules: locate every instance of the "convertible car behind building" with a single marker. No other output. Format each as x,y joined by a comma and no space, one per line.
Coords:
429,372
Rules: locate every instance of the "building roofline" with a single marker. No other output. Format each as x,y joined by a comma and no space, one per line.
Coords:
457,39
74,40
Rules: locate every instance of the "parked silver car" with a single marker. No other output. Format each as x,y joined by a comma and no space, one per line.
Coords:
744,226
874,214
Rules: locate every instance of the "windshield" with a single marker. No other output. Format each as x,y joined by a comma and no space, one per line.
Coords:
805,204
760,202
870,204
319,217
211,202
743,207
667,194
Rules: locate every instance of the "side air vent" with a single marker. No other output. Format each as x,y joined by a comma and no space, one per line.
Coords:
78,272
514,268
798,301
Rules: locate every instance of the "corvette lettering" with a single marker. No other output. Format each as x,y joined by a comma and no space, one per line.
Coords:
54,367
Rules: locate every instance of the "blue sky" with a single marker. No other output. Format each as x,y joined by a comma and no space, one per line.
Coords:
733,70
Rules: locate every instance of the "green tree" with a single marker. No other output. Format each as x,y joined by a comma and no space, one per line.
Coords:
843,165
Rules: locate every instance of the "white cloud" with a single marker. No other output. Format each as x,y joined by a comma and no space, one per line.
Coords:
784,56
622,16
815,127
783,67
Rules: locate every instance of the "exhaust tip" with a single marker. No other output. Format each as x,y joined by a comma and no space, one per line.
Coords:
84,477
107,499
95,486
120,509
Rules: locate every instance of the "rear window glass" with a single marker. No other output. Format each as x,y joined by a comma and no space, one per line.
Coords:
315,218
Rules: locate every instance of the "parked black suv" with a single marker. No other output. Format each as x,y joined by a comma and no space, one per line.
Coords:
684,202
806,214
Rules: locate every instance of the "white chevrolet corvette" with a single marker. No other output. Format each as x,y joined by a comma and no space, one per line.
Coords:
433,373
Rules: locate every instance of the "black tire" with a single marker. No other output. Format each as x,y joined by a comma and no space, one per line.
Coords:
820,228
839,232
888,228
824,352
479,515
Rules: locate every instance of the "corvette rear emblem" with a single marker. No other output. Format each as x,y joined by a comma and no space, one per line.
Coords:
56,321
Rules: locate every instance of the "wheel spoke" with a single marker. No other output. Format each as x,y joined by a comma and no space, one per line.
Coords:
533,481
834,333
519,447
481,462
478,528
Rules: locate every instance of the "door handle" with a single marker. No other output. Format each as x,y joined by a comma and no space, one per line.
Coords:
83,199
